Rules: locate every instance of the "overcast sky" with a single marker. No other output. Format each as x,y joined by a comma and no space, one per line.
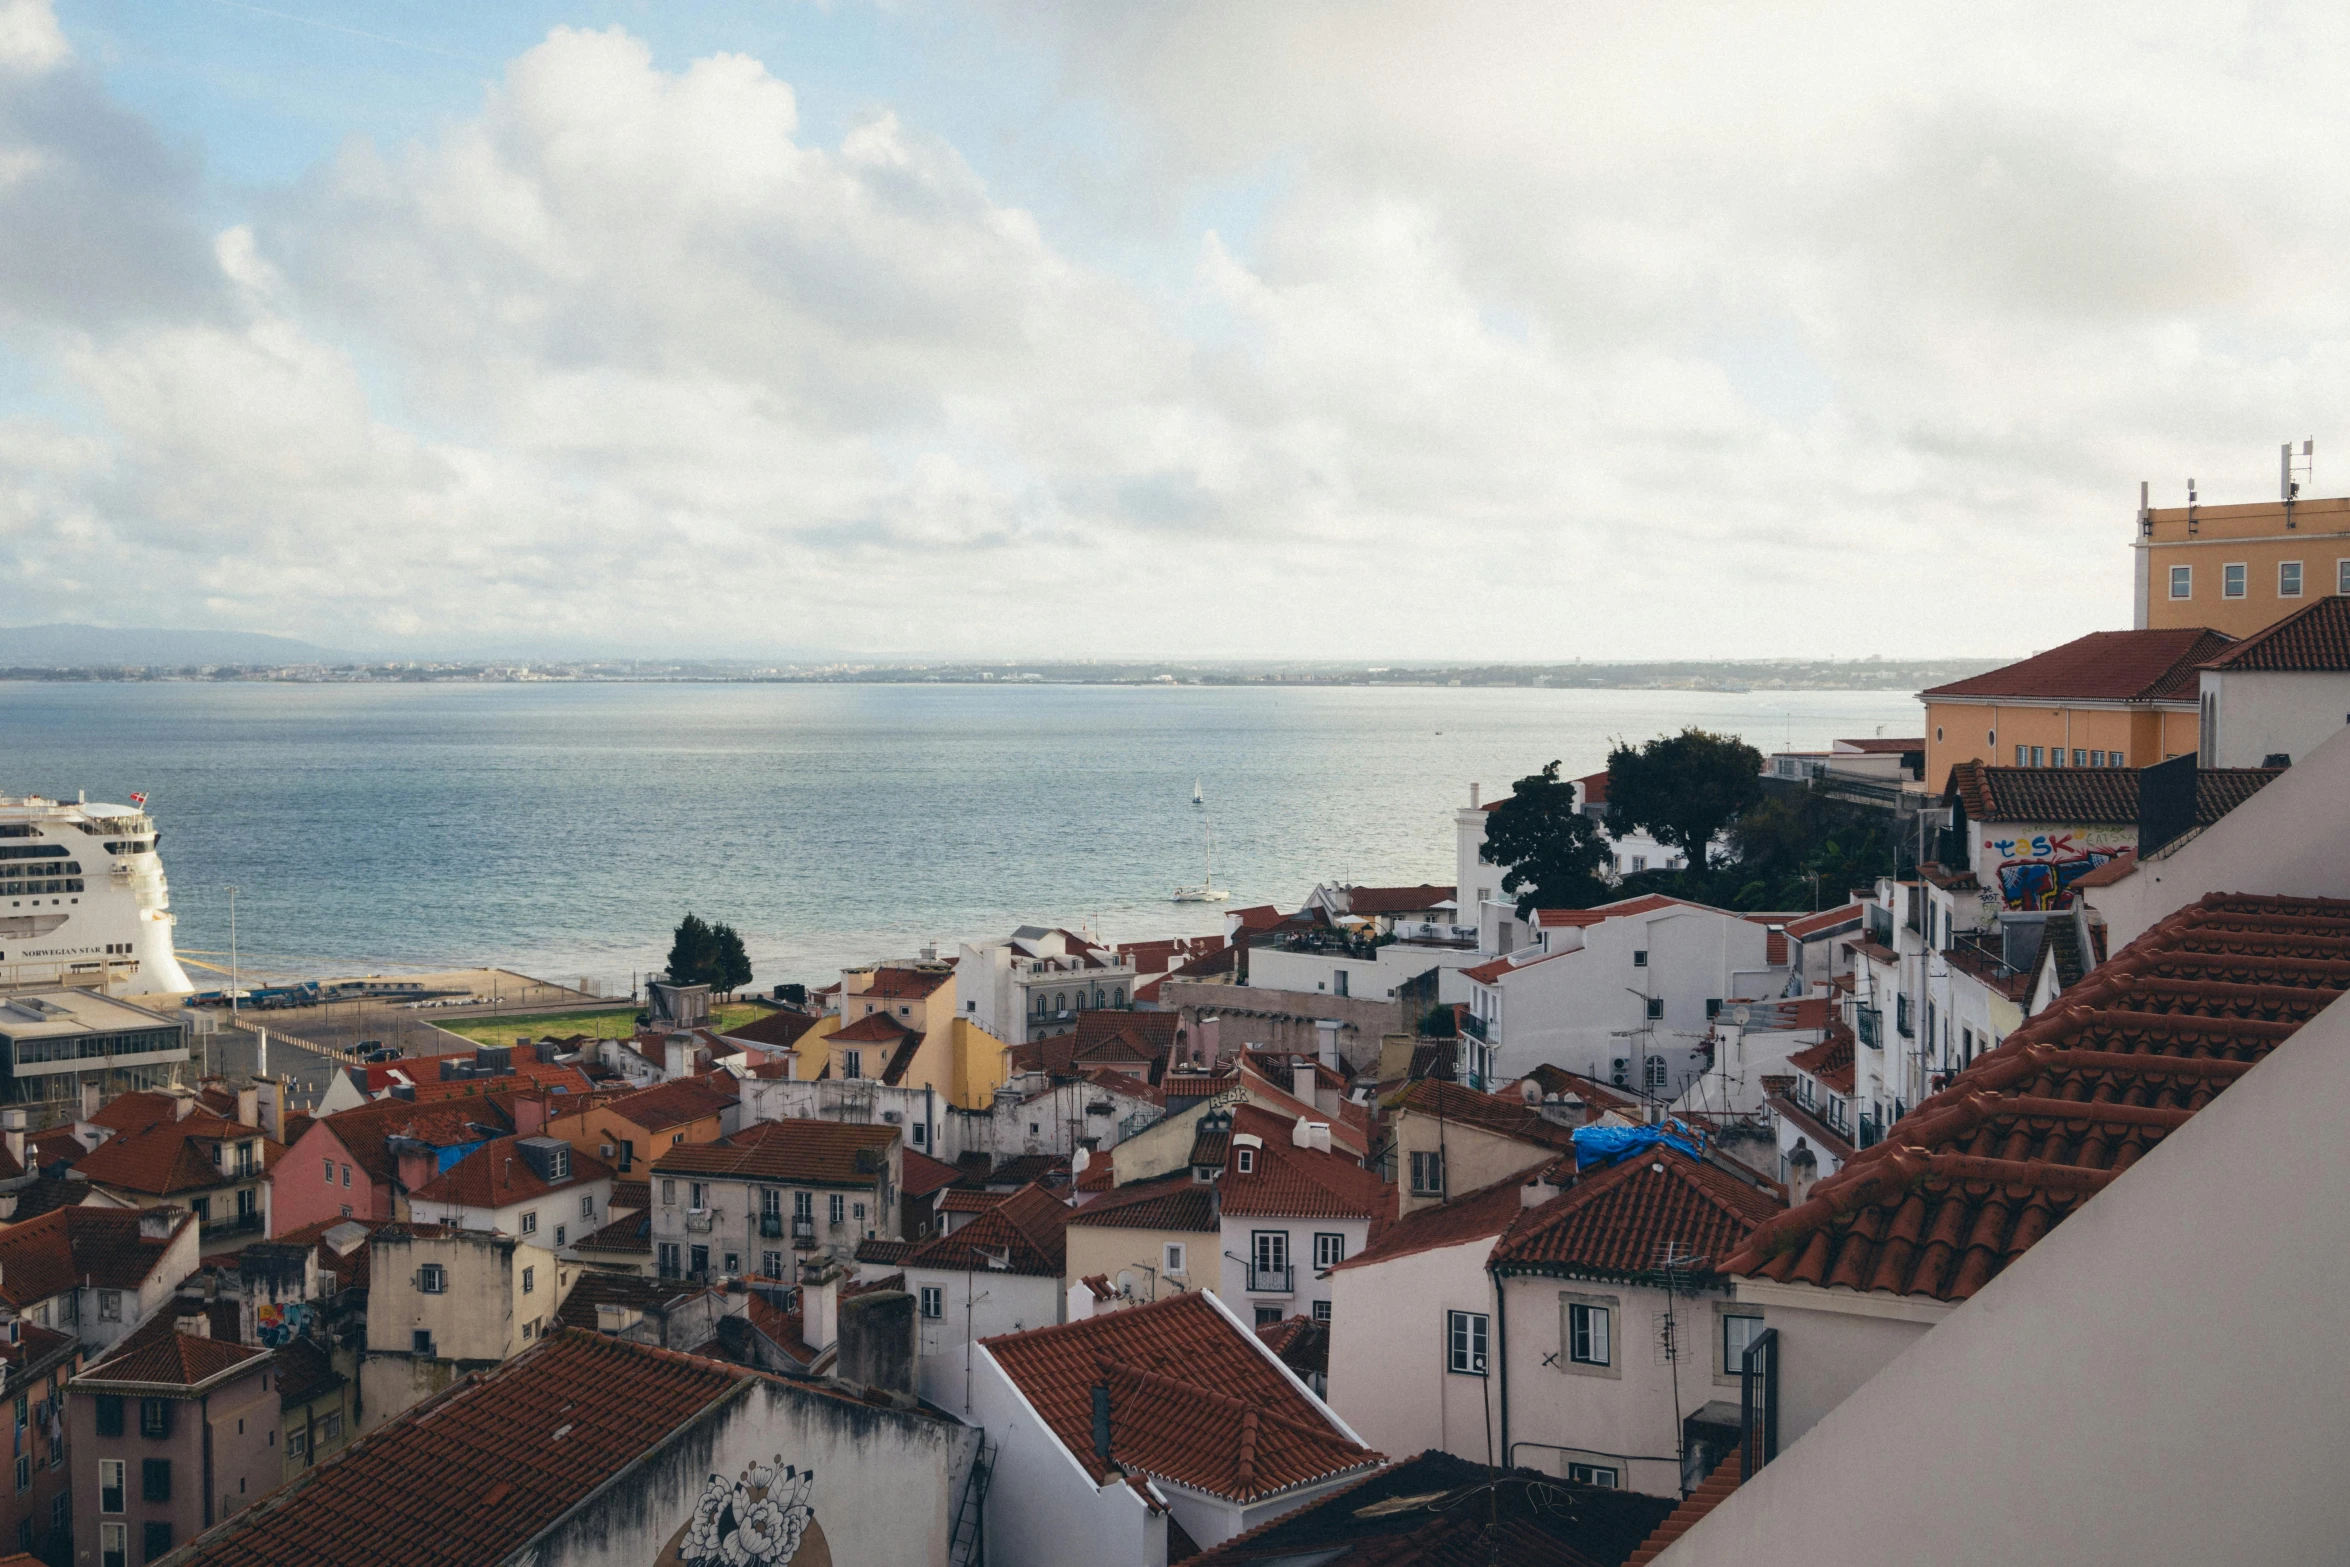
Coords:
1493,331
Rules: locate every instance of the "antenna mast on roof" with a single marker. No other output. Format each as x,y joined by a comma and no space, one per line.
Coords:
2289,488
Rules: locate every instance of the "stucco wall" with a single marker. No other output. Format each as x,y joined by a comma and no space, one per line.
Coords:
1473,1157
1388,1364
882,1488
1043,1508
979,1304
2152,1382
2261,712
1112,1249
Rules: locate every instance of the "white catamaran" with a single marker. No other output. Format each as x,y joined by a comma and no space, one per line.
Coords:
1207,891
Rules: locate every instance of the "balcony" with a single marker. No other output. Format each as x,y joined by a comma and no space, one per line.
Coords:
698,1220
1901,1019
771,1225
1271,1281
1870,1024
1474,1025
1872,1131
803,1234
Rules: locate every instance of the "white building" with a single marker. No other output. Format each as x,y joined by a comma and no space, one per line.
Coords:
1113,1431
537,1189
998,1273
1034,983
2282,692
1291,1209
1627,993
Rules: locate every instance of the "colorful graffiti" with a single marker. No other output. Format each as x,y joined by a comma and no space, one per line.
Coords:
2038,872
276,1325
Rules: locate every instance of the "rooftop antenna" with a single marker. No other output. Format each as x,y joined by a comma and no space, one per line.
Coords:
2191,529
2145,510
2289,488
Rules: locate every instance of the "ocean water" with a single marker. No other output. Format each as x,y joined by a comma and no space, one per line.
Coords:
562,829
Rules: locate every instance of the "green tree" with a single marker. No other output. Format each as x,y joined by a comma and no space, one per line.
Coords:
1683,789
730,965
1554,852
690,951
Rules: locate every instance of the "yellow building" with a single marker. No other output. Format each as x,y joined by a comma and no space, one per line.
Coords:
2237,569
2109,699
898,1025
1146,1242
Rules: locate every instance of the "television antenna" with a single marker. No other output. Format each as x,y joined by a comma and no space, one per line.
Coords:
2289,464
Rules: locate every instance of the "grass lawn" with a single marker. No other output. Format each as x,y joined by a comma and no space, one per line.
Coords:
612,1023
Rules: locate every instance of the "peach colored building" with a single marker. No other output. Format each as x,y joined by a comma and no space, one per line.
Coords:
2109,699
632,1130
2238,569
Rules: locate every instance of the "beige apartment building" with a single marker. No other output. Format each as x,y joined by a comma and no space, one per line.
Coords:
2238,569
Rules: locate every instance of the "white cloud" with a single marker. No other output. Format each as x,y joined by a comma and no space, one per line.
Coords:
1597,331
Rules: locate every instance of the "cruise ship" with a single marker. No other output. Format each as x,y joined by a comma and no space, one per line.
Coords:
83,900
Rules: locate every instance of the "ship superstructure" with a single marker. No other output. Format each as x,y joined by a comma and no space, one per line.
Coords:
83,900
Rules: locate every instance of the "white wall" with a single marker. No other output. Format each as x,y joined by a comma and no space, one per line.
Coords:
2265,711
979,1304
1388,1355
2155,1381
1043,1509
1238,1240
2293,837
1367,979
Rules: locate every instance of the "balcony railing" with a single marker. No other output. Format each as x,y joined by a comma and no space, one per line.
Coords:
1901,1017
803,1234
1871,1024
1471,1023
771,1225
1271,1281
1872,1131
698,1220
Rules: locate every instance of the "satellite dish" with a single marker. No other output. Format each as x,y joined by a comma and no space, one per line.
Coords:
1739,1015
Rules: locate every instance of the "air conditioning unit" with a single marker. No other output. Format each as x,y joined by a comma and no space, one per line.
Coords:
893,1117
1622,1072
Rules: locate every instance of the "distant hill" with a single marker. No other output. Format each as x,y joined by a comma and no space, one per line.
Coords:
105,647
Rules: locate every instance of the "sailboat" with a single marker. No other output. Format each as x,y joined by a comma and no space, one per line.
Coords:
1197,798
1207,891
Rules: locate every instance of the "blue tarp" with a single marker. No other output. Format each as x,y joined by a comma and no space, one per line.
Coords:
1607,1144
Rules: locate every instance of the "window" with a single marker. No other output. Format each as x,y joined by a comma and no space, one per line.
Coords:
699,1258
111,1482
934,1302
668,1191
852,1063
420,1342
330,1170
1587,1334
1639,864
1329,1250
1592,1474
1713,1008
114,1547
110,1414
734,1262
432,1279
1737,1333
2080,758
61,1509
2117,759
2288,579
771,1264
2096,758
530,1222
346,1175
2231,581
1428,1174
24,1471
587,1205
1322,1311
669,1262
1171,1258
1244,1160
331,1427
700,1194
154,1479
155,1417
833,1213
2023,756
2342,576
1268,1315
803,1206
530,1280
1269,1253
2182,582
921,1135
1655,1070
1464,1342
157,1541
1640,959
297,1442
559,1236
110,1305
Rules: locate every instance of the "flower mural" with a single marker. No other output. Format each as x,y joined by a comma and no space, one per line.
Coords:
761,1518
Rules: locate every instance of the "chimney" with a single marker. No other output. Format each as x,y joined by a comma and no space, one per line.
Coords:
1803,1172
677,1055
613,1317
1081,1301
248,1107
1326,1042
1320,1136
530,1115
1208,1041
92,1100
269,1105
1540,1188
183,1104
877,1342
156,1224
1301,1080
12,1123
820,1306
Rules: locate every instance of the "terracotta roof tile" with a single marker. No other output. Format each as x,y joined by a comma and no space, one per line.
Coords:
1302,1344
1830,1060
627,1234
1175,1202
833,1152
921,1175
1617,1220
2017,1142
1193,1401
169,1157
67,1246
2090,794
2104,666
1297,1183
1710,1494
778,1030
677,1102
902,984
157,1354
496,1174
507,1452
2314,637
1481,1215
1028,1229
1820,924
1395,900
1502,1114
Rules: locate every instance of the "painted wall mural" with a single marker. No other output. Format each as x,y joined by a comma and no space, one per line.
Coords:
2037,870
278,1325
761,1518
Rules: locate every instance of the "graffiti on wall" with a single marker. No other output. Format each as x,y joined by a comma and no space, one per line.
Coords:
761,1518
278,1325
2038,871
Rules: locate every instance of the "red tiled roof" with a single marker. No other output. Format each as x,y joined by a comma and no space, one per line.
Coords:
1646,903
1175,1202
1710,1494
1502,1114
1875,746
968,1199
2090,794
1029,1228
629,1233
811,1151
1830,1060
778,1030
1294,1182
364,1131
1816,924
1975,1175
1395,900
901,984
1594,788
2104,666
922,1175
1480,1215
1193,1401
1301,1344
1617,1220
2312,638
875,1028
173,1156
496,1174
157,1354
507,1453
677,1102
46,1255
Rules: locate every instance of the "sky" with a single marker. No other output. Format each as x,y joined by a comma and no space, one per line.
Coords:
1522,332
